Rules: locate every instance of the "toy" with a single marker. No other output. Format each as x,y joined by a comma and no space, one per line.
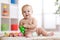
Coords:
5,9
13,1
6,34
20,34
16,34
14,27
11,35
4,6
4,27
22,29
5,12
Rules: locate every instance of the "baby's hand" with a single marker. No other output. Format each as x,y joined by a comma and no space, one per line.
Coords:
25,25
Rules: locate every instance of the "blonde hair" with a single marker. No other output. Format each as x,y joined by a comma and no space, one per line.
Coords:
26,5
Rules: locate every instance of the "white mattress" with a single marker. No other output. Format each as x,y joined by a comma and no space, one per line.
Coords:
32,38
55,37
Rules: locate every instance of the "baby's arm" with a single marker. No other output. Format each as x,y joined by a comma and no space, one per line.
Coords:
31,25
20,23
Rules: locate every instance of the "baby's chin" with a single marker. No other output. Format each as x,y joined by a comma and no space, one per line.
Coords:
27,17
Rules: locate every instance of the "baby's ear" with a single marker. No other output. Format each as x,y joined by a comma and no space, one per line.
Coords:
32,11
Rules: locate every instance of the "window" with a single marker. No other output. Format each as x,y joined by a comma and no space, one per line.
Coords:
50,18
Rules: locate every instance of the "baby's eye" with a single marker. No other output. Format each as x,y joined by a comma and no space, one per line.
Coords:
28,11
24,11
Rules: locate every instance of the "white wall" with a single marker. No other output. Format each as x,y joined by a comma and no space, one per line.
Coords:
13,11
0,9
50,18
37,9
0,16
49,21
5,1
58,19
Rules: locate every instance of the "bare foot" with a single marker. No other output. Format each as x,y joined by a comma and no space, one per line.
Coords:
50,33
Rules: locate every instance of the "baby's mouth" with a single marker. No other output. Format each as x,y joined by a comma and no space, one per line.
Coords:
26,15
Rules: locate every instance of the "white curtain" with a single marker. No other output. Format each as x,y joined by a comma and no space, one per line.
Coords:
50,18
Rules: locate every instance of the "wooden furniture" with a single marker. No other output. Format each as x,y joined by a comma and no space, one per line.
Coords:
8,15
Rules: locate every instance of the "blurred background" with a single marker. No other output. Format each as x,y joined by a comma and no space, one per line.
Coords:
45,13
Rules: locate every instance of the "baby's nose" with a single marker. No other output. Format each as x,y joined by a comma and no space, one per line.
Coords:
26,13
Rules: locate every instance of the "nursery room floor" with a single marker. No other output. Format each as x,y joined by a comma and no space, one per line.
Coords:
32,38
55,37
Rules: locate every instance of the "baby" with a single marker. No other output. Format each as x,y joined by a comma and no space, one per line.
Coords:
30,23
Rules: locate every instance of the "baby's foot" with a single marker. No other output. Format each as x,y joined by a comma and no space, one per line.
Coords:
50,34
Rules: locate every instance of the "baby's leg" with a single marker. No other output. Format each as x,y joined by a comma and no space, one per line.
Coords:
43,32
28,34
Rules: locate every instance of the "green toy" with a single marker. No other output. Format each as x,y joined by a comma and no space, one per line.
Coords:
4,27
22,29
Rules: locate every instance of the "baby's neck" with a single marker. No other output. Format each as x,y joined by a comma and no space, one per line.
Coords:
28,18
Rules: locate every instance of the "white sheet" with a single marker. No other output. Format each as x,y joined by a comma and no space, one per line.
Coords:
55,37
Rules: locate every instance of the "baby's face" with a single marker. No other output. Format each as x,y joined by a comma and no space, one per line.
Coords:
27,11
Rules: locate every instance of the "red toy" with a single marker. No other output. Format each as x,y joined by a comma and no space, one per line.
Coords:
14,27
